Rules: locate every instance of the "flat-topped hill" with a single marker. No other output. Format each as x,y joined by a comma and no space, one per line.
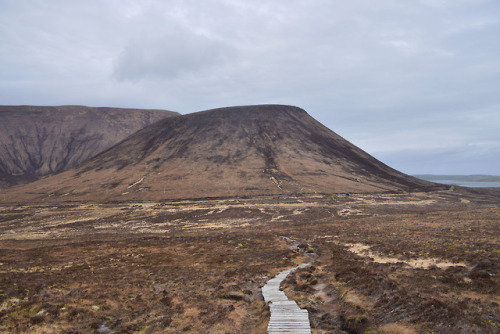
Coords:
235,151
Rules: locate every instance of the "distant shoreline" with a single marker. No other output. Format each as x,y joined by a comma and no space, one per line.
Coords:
472,181
462,178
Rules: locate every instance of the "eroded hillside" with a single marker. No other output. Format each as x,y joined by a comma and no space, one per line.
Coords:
39,141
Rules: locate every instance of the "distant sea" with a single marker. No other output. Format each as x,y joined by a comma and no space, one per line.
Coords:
473,181
469,184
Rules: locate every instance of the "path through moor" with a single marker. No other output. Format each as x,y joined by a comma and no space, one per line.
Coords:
286,315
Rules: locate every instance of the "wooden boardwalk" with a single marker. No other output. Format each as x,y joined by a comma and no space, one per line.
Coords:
286,315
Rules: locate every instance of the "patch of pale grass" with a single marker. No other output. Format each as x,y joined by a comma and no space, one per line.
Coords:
357,300
395,328
422,263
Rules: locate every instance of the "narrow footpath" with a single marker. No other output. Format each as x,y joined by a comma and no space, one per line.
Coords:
286,315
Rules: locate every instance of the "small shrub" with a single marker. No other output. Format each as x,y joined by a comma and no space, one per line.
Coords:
37,319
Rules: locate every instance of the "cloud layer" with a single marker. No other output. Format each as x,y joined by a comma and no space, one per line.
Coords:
407,81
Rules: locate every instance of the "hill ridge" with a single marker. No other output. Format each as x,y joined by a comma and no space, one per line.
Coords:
38,141
231,151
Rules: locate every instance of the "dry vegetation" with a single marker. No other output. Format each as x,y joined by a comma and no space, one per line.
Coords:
426,262
38,141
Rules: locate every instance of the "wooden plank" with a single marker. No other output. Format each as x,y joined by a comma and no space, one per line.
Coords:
286,315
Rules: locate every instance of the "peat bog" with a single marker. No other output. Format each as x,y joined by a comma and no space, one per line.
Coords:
197,266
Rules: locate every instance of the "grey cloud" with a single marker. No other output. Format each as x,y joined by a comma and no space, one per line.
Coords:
170,55
459,160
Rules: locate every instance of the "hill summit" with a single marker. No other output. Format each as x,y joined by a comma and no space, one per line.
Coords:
234,151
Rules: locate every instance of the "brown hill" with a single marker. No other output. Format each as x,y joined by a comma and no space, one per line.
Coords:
236,151
38,141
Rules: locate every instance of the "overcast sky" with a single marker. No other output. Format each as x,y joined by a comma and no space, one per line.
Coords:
416,83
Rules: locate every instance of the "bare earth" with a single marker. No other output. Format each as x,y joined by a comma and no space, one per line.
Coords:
383,263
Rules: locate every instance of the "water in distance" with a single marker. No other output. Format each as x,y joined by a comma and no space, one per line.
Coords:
469,184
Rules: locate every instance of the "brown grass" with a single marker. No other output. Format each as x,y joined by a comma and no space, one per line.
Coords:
197,266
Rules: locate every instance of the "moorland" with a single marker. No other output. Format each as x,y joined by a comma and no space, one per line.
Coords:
380,263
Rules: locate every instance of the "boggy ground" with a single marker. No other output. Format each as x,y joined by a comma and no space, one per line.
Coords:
387,263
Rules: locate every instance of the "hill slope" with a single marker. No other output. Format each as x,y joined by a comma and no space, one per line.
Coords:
236,151
38,141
